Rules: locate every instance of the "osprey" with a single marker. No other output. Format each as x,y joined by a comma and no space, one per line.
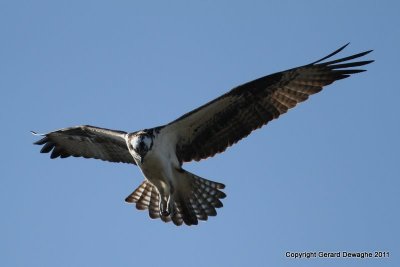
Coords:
168,191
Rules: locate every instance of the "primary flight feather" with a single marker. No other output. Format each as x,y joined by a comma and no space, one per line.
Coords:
171,193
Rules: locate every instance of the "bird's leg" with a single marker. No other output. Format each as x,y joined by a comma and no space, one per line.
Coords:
165,204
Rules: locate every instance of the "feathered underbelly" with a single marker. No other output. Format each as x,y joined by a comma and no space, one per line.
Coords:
156,169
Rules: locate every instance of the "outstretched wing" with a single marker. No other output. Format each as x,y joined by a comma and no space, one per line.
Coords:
88,142
213,127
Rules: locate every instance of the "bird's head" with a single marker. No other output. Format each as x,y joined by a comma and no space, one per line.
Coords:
140,143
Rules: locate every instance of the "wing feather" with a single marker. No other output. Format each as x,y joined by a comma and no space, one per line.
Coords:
88,142
213,127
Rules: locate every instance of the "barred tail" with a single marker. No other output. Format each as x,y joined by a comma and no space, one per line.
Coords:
146,197
199,200
194,199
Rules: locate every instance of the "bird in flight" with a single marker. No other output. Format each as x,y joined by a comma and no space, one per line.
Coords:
168,191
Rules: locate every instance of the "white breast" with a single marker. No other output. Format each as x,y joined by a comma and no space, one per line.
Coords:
159,161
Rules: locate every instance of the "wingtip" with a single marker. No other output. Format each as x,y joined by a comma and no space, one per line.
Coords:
37,134
369,51
331,54
340,49
369,61
129,200
41,141
343,47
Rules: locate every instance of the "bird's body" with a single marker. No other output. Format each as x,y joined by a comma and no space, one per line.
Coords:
158,165
155,154
169,192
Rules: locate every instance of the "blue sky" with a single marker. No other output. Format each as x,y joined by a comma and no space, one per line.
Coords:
324,177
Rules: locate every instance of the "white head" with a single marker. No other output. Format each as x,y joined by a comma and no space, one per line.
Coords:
141,143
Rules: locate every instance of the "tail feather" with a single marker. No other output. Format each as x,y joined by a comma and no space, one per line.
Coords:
177,214
135,196
208,195
188,213
201,200
144,200
203,204
200,213
194,199
146,197
154,210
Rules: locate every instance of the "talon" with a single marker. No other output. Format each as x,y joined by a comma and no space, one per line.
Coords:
165,213
165,206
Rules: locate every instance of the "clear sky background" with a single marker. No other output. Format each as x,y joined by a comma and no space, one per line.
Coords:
324,177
